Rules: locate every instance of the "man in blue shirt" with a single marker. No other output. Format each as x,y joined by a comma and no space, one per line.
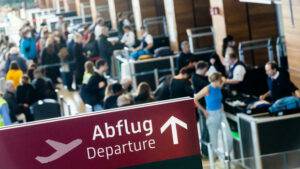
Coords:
4,113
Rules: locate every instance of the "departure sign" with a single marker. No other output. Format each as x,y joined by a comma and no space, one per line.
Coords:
160,135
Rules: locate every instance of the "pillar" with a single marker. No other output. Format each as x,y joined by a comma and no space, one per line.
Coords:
115,7
182,15
244,21
291,22
94,4
144,9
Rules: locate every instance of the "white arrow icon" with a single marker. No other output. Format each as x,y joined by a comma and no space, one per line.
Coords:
173,121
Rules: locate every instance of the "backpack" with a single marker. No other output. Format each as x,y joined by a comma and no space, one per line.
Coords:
285,105
163,51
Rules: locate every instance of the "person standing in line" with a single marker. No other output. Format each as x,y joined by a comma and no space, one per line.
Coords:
14,73
106,48
214,111
80,59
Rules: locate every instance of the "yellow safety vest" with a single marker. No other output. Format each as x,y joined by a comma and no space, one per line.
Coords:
2,102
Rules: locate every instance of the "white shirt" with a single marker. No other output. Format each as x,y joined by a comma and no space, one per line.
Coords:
126,22
275,76
211,70
98,31
239,73
128,39
148,38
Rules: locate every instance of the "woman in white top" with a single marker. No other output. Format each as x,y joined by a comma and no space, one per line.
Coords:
128,38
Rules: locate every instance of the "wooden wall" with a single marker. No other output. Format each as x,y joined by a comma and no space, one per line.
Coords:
182,15
42,4
146,9
69,5
94,4
78,7
245,22
292,37
116,6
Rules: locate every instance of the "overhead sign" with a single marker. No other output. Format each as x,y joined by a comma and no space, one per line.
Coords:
161,135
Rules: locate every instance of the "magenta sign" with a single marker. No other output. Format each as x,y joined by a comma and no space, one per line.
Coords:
158,135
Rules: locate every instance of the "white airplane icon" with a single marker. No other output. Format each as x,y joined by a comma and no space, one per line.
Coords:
61,150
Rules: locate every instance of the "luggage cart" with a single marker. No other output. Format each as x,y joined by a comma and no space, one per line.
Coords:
197,33
254,45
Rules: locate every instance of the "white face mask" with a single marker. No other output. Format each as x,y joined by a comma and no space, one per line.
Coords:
28,35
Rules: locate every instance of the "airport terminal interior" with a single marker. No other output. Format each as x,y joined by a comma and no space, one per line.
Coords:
150,84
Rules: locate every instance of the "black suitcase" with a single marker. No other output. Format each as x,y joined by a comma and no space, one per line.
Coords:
46,109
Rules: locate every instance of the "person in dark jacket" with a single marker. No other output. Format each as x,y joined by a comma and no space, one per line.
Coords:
15,56
70,59
105,48
10,98
186,58
91,48
144,94
25,97
79,58
49,59
216,64
44,88
199,79
180,85
31,68
111,102
95,89
279,84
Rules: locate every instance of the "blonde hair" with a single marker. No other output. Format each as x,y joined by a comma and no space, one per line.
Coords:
216,76
78,38
108,91
144,89
89,67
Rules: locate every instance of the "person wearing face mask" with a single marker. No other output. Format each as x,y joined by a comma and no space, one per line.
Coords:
214,112
28,45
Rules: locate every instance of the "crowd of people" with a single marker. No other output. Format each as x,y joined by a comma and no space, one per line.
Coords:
36,66
44,59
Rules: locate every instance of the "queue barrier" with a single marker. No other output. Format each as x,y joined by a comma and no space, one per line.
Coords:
254,45
201,32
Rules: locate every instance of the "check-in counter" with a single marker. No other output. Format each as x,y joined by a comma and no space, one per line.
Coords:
262,136
149,70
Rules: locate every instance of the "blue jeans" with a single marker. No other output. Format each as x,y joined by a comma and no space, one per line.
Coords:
98,107
214,121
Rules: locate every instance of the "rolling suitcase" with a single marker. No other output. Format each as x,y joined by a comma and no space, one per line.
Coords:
46,109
